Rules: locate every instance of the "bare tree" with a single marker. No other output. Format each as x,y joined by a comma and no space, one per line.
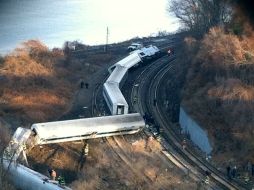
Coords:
199,16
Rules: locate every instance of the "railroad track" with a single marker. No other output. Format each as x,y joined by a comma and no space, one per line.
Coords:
204,165
152,79
143,103
113,142
118,150
146,72
144,75
121,142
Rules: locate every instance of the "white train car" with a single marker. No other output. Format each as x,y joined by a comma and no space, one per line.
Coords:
27,179
147,52
73,130
111,92
61,131
115,99
118,76
128,62
150,51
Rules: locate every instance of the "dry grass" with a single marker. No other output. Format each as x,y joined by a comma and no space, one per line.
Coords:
34,83
221,48
220,92
104,170
33,88
4,135
22,65
232,90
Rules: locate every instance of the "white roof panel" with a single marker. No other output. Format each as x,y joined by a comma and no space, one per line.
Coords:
18,139
25,178
63,129
150,50
114,93
118,74
130,60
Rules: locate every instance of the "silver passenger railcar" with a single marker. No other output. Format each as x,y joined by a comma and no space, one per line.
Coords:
111,92
73,130
115,99
60,131
127,62
147,52
118,76
27,179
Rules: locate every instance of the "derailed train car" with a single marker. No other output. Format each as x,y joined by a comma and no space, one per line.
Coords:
127,62
78,129
27,179
118,76
72,130
111,88
60,131
115,99
137,56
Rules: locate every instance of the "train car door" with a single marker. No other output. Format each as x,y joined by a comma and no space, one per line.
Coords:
120,109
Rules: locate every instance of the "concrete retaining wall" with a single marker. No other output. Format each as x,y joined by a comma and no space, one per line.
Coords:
198,135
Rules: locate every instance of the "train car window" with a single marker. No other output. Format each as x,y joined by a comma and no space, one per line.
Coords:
120,109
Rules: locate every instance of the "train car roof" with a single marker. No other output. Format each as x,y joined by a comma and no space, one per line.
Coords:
25,178
118,74
62,129
114,93
21,135
129,61
150,50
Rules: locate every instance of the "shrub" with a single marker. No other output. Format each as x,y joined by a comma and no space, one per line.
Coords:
35,84
220,90
220,48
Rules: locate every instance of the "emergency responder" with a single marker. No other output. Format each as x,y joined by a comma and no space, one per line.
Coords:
207,178
246,178
229,172
87,85
52,174
61,180
184,144
252,169
234,172
82,84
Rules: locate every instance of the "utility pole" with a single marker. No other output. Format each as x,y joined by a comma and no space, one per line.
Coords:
106,46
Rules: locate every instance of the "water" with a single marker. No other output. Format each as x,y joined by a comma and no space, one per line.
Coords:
56,21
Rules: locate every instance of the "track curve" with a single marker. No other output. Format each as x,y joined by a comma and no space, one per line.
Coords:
150,82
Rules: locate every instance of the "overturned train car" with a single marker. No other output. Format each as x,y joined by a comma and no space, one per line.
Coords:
118,74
